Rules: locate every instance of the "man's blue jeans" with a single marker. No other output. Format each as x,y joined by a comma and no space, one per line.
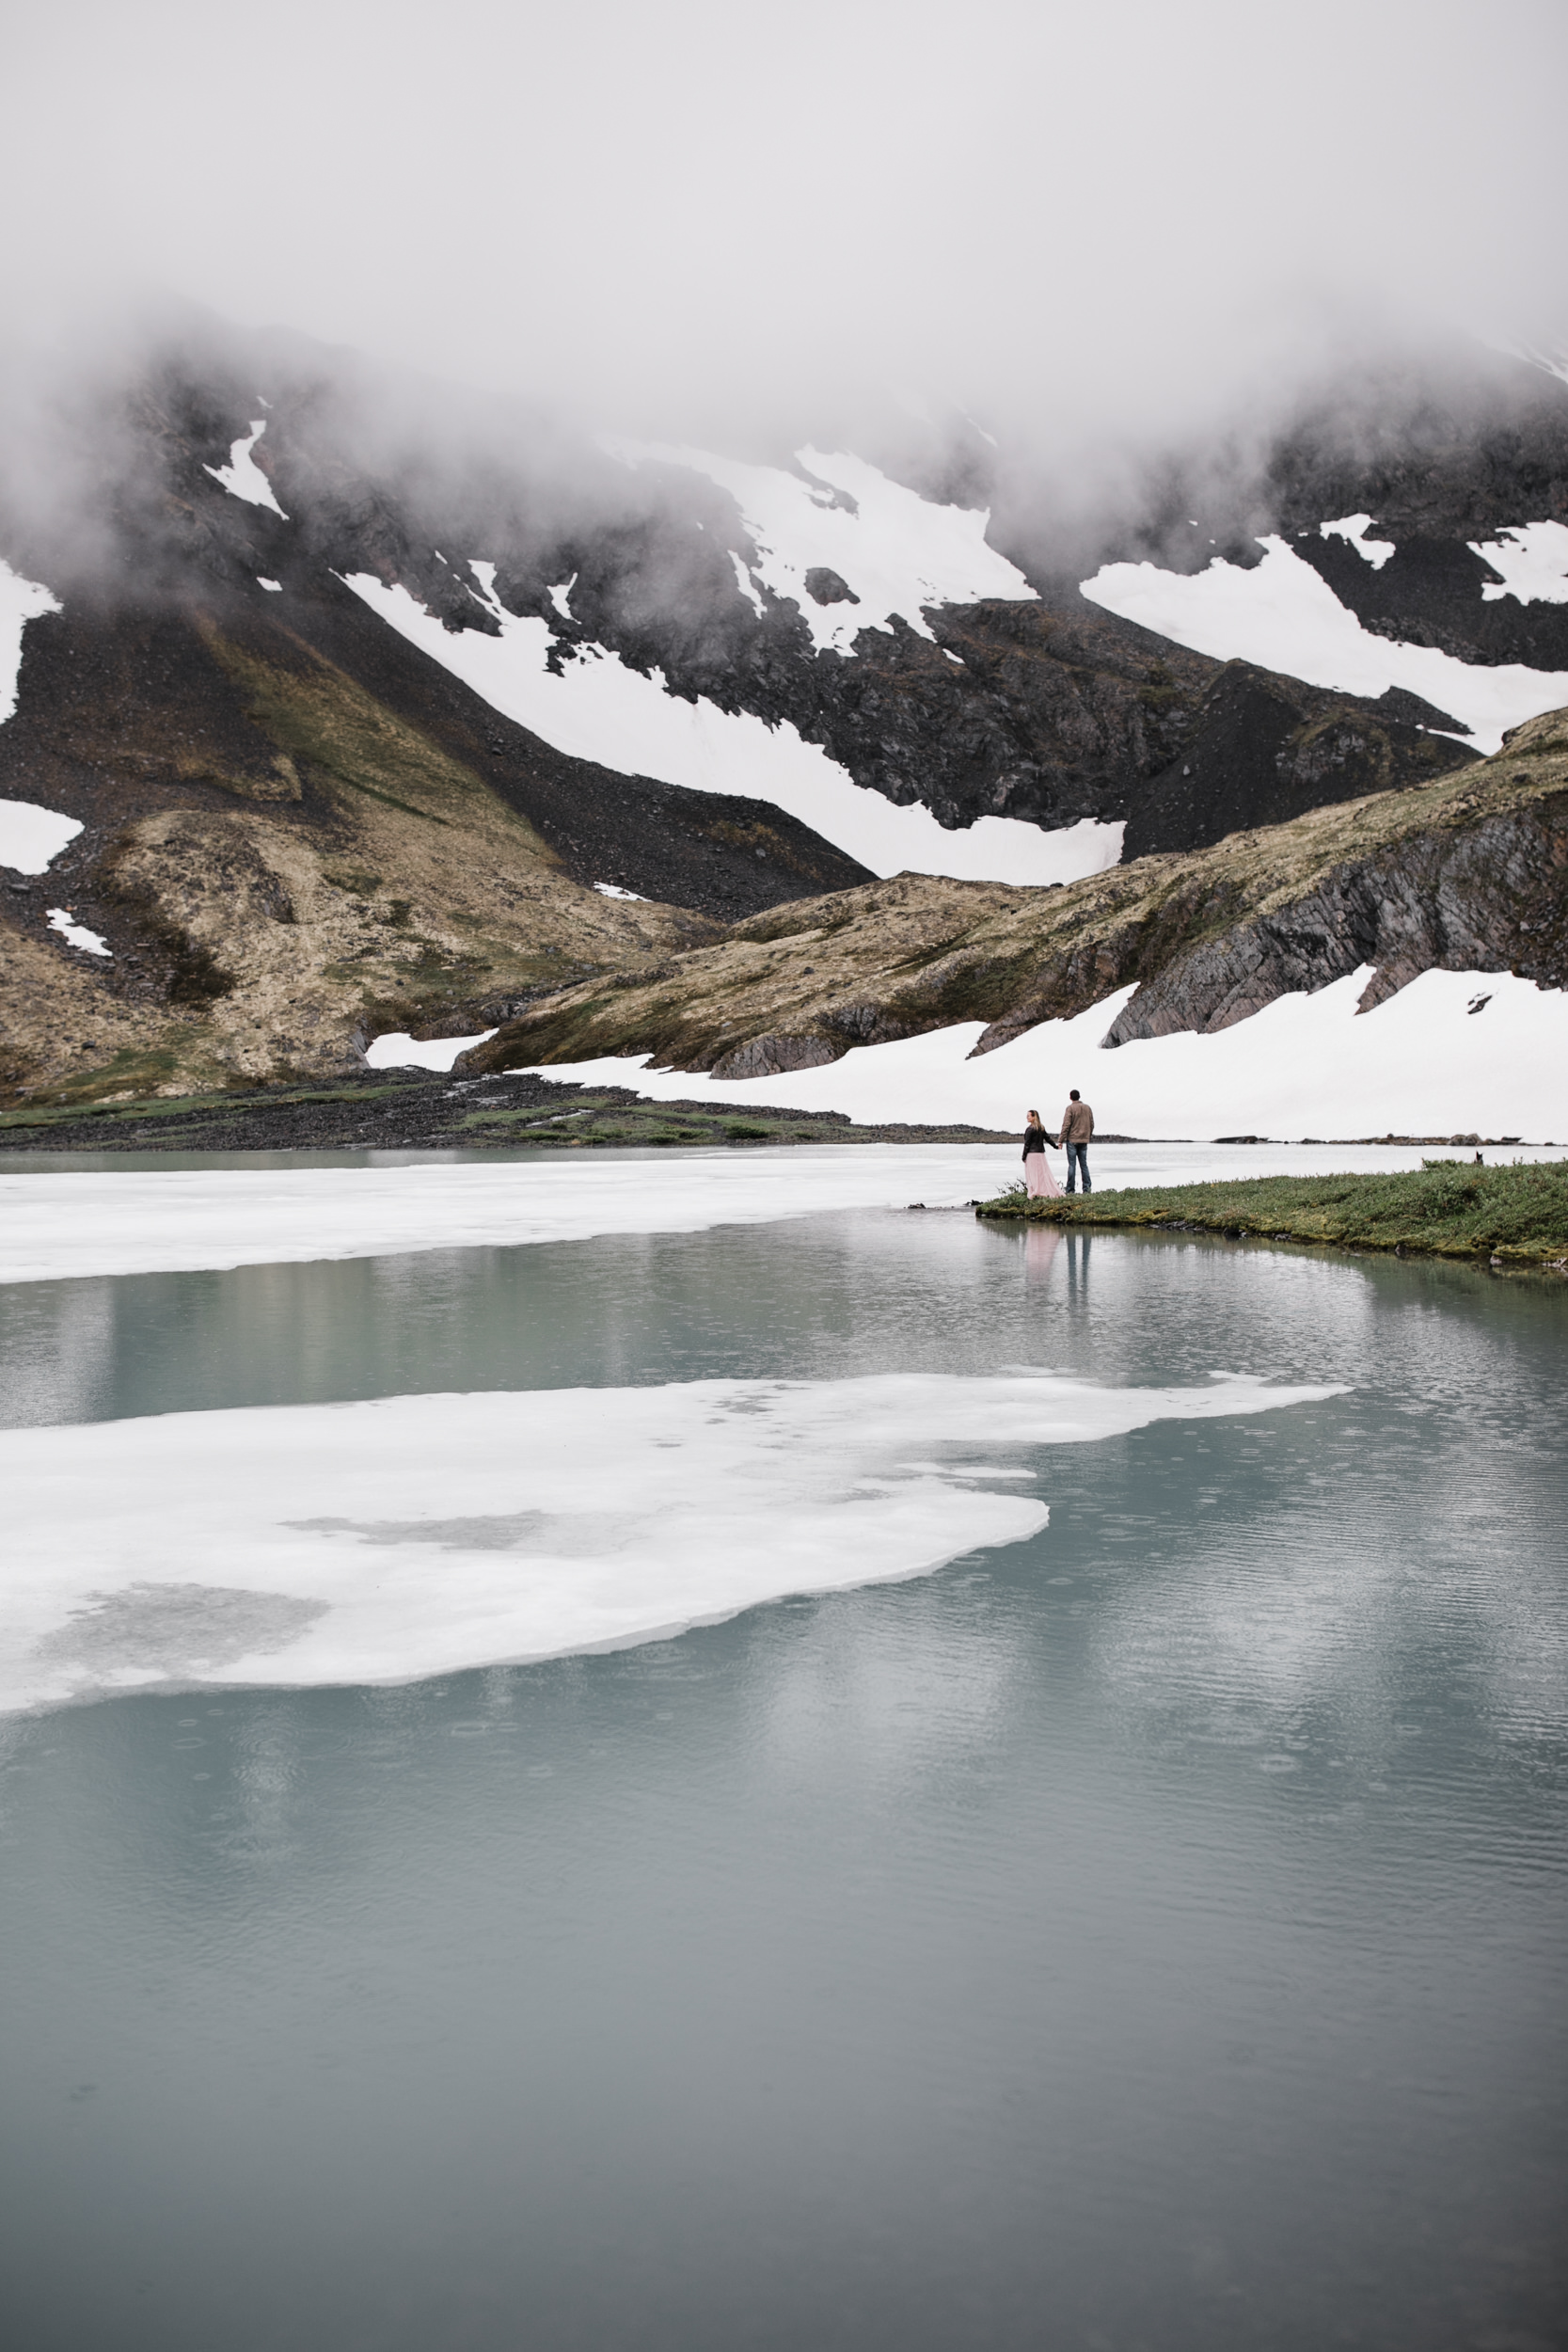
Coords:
1077,1158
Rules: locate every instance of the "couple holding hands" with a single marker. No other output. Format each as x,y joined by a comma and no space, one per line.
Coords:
1077,1127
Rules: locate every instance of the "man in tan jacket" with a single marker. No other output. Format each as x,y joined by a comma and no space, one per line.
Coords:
1077,1127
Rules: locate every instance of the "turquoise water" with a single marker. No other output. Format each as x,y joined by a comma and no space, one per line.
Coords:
1149,1935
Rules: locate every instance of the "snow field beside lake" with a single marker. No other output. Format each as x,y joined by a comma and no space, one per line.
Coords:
1283,617
300,1545
1422,1063
599,709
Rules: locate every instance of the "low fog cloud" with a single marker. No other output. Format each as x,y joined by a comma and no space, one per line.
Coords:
726,220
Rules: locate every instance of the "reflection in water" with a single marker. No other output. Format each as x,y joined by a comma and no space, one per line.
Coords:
1040,1245
1144,1935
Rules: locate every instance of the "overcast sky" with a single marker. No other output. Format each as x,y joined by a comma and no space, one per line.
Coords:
672,211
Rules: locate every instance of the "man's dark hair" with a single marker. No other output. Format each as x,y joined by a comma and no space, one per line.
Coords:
1073,1095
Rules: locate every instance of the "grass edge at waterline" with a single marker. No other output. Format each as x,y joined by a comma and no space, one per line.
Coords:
1512,1216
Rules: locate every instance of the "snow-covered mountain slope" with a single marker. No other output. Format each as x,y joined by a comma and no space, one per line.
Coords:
849,547
711,684
593,707
20,601
1282,614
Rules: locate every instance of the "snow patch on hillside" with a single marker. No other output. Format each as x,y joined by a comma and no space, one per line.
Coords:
598,709
895,550
1354,528
408,1536
32,837
1533,561
20,601
1283,617
77,934
243,477
396,1050
1422,1063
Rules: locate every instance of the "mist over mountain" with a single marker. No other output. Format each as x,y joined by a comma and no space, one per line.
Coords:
816,460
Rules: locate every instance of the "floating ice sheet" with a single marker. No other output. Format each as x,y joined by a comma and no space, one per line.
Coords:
418,1534
55,1226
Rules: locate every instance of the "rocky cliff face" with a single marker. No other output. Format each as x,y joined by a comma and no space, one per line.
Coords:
1470,871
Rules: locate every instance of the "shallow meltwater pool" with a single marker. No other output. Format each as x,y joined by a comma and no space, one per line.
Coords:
869,1780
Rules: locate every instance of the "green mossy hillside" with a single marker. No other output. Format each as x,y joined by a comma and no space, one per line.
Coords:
1517,1215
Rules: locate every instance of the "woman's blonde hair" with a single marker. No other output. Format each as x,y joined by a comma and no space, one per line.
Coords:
1033,1119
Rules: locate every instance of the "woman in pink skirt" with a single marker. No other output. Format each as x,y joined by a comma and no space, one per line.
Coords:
1037,1174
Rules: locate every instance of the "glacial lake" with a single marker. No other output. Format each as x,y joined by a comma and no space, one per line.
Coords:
1144,1933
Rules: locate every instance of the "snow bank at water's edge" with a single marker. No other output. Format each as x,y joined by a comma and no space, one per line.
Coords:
1422,1063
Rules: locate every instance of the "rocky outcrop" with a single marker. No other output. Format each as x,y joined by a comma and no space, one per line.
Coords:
279,863
1469,872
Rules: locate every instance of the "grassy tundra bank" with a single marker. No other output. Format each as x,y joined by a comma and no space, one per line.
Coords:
1515,1215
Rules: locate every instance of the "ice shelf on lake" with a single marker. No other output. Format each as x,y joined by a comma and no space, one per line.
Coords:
1283,616
377,1542
56,1225
1423,1063
598,709
135,1221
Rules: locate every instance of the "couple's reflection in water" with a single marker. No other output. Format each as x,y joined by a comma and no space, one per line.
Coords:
1042,1244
